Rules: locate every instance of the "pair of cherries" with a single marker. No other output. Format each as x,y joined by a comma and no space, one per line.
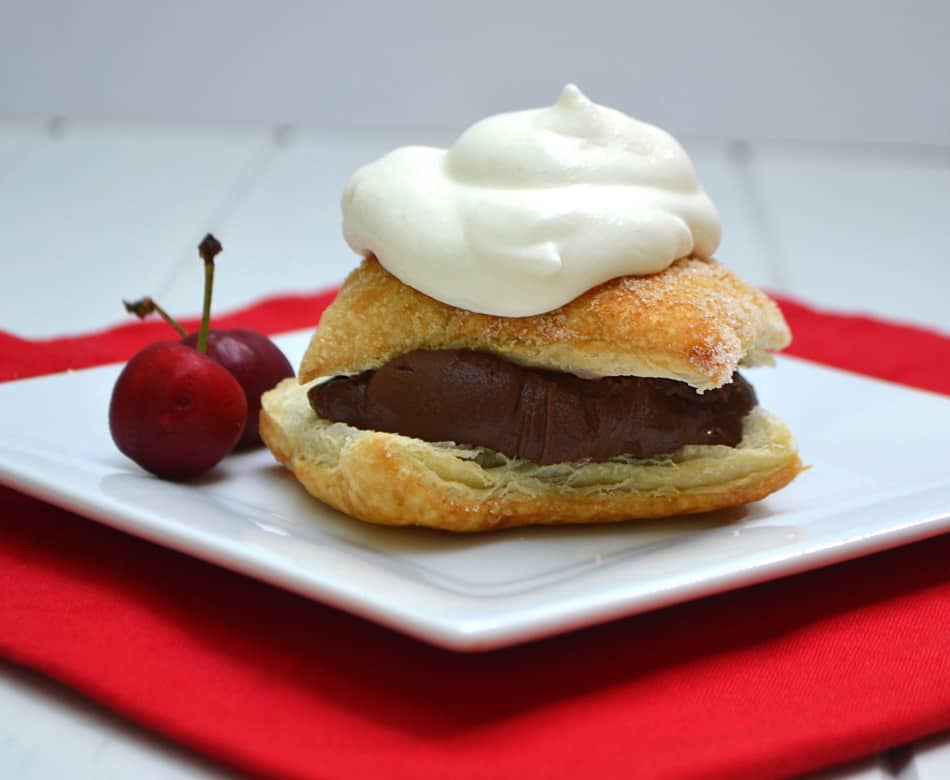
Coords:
179,407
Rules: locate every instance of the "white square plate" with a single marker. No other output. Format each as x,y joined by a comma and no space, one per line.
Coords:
879,478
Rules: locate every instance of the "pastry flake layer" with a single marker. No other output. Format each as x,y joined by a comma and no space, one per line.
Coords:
695,322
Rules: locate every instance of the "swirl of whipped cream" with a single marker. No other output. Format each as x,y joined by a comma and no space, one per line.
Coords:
528,210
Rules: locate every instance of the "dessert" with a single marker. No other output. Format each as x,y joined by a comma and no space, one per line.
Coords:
537,334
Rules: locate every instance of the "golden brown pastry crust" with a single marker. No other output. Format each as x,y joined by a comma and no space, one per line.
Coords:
695,322
390,479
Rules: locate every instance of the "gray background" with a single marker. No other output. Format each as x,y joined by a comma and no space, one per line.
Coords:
817,71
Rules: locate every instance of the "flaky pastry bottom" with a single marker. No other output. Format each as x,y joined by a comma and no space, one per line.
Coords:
390,479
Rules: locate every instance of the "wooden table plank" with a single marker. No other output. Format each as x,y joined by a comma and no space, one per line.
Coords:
48,731
864,230
107,212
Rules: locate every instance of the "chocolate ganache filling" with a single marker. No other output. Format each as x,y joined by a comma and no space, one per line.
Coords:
476,398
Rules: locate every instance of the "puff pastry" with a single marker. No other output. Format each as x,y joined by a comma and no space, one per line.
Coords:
695,322
389,479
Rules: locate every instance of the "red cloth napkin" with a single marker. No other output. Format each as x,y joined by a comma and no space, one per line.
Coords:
769,681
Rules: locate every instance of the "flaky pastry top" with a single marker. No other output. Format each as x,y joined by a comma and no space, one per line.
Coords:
695,322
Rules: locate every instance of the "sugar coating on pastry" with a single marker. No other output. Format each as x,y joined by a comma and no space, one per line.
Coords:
389,479
694,322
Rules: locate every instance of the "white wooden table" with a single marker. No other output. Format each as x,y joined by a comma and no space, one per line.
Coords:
92,213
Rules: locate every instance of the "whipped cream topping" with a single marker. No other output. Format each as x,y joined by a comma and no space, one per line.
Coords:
530,209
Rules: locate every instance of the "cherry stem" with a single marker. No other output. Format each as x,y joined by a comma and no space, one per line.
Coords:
207,249
145,306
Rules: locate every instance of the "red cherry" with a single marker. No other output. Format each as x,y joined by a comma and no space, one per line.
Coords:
176,412
257,364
